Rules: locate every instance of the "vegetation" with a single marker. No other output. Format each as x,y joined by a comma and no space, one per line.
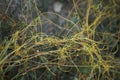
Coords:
85,47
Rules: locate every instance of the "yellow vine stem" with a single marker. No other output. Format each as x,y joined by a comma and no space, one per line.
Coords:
87,16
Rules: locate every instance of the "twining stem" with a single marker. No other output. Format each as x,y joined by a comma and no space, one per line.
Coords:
87,15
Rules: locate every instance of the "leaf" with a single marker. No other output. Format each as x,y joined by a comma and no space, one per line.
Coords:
85,69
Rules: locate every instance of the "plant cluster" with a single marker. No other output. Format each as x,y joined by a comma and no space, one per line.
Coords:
85,47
